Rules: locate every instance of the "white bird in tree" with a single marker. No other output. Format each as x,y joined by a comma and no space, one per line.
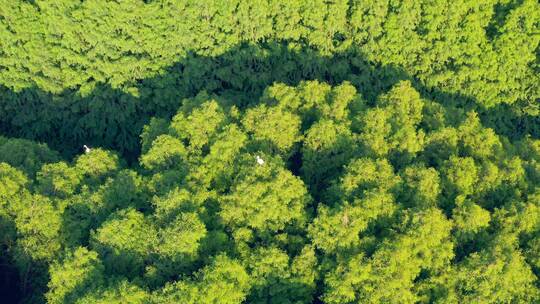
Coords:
260,161
86,149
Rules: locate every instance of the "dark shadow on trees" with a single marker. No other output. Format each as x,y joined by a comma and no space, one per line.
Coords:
9,282
19,274
9,279
111,118
511,122
280,290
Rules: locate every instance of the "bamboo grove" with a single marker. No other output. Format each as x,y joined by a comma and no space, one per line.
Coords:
269,151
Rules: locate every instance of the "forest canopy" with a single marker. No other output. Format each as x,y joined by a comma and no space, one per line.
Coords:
273,151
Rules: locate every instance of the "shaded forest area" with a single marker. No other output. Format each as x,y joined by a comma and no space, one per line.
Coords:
270,151
114,119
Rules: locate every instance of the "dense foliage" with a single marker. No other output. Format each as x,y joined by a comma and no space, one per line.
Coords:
272,151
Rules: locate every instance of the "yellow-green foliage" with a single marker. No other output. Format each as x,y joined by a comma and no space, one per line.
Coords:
272,151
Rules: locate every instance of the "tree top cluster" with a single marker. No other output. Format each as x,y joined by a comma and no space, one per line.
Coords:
269,151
